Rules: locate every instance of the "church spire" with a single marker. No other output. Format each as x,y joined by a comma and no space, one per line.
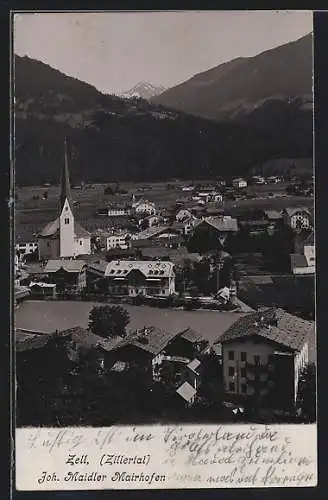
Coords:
65,193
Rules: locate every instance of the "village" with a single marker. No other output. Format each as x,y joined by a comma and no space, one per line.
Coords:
250,267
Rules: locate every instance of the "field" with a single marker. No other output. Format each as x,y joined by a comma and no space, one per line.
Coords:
32,215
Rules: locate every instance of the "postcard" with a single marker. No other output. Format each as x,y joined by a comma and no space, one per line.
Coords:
164,252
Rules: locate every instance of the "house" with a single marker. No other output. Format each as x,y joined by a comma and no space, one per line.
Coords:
118,210
297,217
118,240
143,207
188,343
138,349
273,179
263,354
183,215
258,179
239,183
67,274
141,277
304,262
217,227
41,289
64,237
26,247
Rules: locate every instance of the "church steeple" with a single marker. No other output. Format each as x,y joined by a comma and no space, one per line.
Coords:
65,193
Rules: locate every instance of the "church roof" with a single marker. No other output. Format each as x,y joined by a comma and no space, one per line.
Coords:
52,229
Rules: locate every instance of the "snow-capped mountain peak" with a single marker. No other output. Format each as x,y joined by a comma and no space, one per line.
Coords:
144,90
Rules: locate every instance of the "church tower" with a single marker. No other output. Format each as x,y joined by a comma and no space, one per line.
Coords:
66,217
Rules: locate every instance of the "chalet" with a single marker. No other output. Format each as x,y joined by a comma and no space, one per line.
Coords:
297,218
66,274
217,227
143,207
133,278
263,354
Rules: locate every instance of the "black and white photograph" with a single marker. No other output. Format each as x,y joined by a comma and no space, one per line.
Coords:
164,250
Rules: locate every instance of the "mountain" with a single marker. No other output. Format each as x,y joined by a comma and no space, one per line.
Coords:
143,90
247,87
112,138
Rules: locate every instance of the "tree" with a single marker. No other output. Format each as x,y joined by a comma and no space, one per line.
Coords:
108,190
108,321
307,392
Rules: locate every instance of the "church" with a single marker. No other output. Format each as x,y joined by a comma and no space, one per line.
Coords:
64,237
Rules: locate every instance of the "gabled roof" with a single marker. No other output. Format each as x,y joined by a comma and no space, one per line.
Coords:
52,229
191,335
186,391
290,211
220,223
70,266
150,232
150,339
273,324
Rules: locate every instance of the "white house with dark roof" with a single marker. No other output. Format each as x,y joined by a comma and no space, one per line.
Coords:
263,354
64,237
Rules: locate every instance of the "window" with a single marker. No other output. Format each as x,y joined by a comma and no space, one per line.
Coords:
231,387
243,356
231,371
231,355
256,359
48,243
243,388
66,208
66,220
81,242
243,372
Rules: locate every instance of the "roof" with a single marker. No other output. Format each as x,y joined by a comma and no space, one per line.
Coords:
298,260
310,239
98,265
191,335
150,232
225,223
290,211
109,343
52,229
273,214
254,223
41,284
149,268
68,265
194,364
28,342
186,391
150,339
273,324
21,291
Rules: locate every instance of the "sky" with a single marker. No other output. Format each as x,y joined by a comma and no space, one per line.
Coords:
113,51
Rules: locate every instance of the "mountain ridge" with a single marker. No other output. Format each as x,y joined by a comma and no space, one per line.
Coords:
136,140
281,72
